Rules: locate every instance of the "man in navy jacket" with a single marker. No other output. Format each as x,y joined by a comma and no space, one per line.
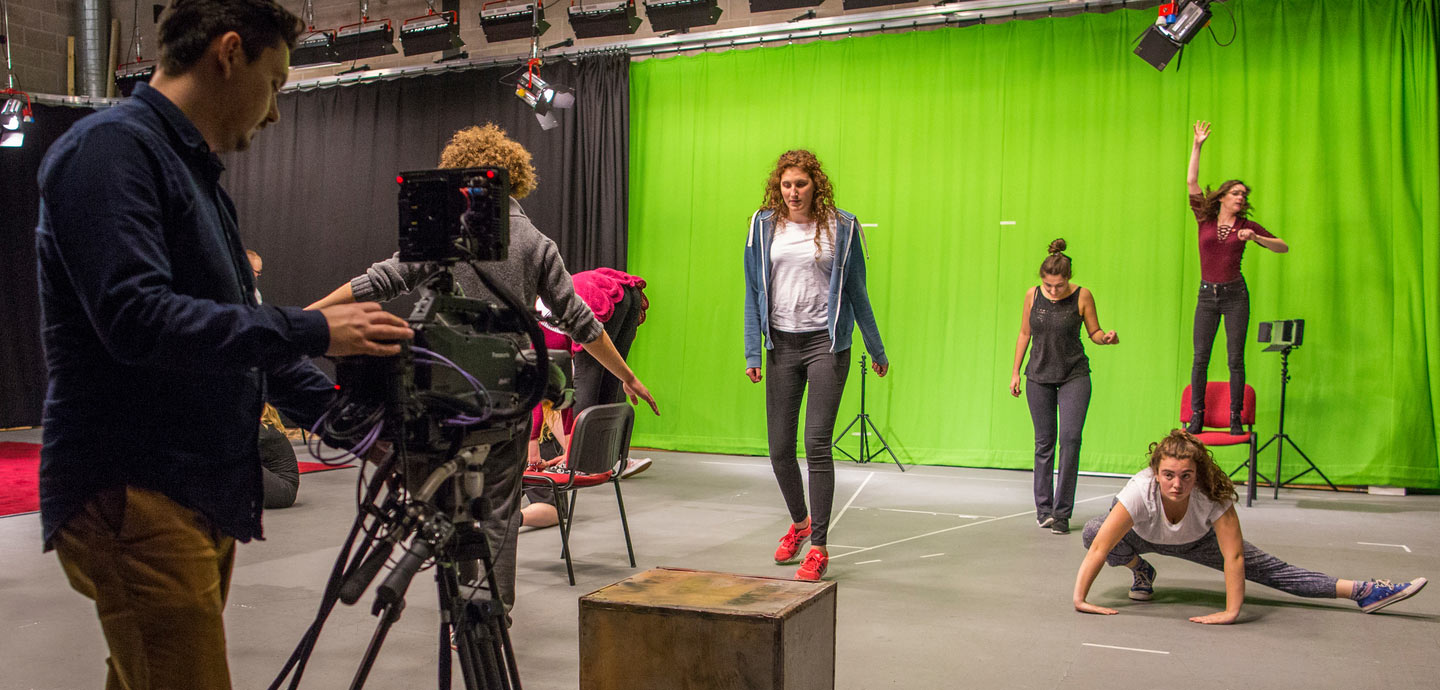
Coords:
159,353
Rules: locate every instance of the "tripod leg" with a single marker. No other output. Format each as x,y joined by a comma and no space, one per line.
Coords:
836,443
884,445
1311,464
388,615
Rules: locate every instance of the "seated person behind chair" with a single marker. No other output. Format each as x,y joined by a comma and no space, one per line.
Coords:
549,443
1183,505
279,468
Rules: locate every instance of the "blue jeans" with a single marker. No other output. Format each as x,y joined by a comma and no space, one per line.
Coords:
1231,300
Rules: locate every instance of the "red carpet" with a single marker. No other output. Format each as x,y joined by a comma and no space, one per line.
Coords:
20,477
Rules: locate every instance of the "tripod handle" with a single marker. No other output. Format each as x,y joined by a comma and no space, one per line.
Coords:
365,574
393,588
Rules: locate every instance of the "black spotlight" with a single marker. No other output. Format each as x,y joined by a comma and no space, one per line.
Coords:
604,19
770,5
680,15
132,73
512,22
315,48
1161,42
365,39
862,4
432,32
14,115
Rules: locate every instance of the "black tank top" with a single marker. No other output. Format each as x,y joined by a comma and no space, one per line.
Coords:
1056,353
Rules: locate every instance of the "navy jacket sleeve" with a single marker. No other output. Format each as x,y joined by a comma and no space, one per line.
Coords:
109,232
299,390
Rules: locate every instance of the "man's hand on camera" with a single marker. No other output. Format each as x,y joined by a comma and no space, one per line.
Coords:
364,329
634,389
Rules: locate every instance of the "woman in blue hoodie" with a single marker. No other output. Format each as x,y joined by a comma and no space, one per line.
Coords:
804,294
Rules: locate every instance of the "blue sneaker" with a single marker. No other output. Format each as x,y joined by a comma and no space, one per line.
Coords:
1384,593
1144,585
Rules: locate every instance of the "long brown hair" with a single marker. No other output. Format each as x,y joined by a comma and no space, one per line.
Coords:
1212,480
1210,205
822,203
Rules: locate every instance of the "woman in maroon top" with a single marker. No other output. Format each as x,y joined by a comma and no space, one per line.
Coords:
1225,229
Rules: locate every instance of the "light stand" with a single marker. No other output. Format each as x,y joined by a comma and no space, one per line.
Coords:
1287,336
867,427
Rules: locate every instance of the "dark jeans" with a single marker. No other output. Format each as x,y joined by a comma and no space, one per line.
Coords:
593,384
1071,400
799,358
1231,300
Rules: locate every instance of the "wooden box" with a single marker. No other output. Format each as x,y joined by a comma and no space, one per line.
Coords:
674,629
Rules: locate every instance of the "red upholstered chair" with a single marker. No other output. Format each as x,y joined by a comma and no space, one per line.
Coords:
599,446
1217,414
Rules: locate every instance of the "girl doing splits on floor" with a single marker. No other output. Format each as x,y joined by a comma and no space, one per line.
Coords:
1183,505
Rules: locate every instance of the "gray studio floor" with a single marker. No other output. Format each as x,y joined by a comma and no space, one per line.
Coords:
945,582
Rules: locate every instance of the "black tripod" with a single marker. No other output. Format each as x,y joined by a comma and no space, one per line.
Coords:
867,427
472,619
1281,438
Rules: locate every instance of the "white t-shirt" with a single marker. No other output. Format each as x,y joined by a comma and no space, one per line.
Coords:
800,282
1141,496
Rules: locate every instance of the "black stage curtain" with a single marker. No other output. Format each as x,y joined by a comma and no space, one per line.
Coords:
22,359
316,193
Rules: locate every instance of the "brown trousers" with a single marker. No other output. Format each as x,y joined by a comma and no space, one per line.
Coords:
159,574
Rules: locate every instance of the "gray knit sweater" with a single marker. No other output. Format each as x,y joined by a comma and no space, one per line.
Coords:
533,267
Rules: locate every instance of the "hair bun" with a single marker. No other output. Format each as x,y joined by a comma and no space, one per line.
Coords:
1057,246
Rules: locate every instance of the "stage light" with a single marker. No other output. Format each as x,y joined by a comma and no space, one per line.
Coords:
365,39
1162,41
513,21
771,5
14,115
862,4
132,73
432,32
680,15
543,97
604,19
315,48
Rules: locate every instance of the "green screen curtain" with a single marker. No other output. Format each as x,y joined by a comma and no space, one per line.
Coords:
970,149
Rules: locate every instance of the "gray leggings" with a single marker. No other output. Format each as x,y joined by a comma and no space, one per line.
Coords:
1260,567
796,359
1056,496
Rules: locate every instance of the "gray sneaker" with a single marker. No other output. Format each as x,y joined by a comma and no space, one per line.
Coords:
1144,586
1060,526
1045,521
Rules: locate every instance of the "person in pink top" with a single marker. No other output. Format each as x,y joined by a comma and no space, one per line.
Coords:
1225,228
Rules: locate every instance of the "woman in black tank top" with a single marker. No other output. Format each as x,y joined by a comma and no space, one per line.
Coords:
1057,380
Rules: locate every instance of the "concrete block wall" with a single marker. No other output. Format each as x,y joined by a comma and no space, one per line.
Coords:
38,29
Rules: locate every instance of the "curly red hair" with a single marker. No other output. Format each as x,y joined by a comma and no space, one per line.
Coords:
822,206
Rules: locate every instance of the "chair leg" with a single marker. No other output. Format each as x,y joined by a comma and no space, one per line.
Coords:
1254,456
624,524
566,518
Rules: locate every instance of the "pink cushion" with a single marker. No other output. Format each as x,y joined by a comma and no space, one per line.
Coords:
562,479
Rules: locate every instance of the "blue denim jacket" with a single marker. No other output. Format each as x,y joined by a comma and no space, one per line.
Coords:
158,352
849,302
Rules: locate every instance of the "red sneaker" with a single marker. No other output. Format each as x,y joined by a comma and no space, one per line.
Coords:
814,566
790,544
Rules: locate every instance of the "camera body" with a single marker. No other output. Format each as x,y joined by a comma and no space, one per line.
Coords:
468,377
454,214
